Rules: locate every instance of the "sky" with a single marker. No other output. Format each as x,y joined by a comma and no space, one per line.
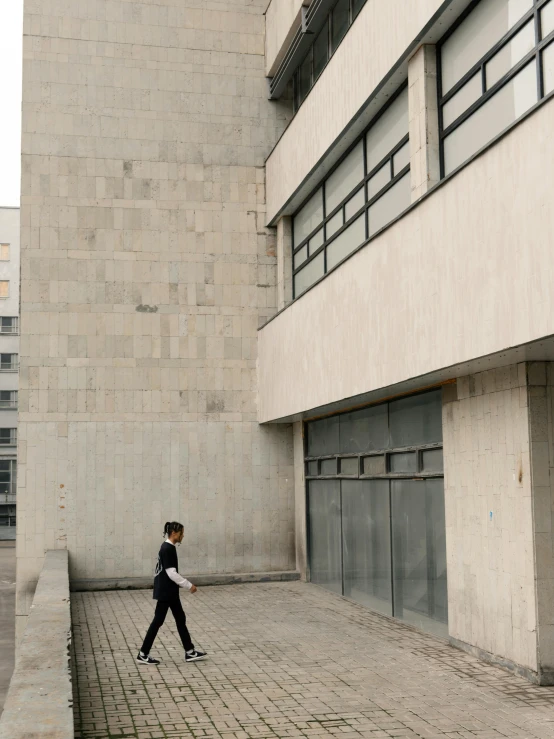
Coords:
11,34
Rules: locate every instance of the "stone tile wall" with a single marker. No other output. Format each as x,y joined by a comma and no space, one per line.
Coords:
489,514
146,271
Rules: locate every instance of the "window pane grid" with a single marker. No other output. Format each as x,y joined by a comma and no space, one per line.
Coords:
513,52
388,159
8,399
9,362
336,222
488,94
9,325
8,437
379,538
382,463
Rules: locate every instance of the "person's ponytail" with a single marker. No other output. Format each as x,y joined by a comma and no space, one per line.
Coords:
172,527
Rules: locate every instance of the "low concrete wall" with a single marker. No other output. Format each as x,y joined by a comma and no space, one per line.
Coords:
39,702
202,581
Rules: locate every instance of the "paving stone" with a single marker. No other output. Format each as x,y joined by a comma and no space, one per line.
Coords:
286,660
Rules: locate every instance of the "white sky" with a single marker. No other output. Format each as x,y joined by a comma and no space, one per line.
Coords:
11,33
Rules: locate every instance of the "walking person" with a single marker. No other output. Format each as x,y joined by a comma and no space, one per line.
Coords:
167,582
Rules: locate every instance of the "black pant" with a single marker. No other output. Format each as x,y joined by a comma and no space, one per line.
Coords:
162,608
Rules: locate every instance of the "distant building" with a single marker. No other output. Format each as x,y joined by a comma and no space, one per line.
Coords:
9,367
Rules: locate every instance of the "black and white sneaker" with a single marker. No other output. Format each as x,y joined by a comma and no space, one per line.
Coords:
145,659
194,656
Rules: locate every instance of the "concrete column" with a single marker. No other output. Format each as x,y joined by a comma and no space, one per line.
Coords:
424,120
300,500
498,429
284,262
540,378
489,518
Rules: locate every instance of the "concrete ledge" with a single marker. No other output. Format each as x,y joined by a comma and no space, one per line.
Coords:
145,583
543,677
40,698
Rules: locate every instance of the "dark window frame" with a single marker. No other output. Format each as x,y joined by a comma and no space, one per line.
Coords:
534,15
11,482
419,474
362,184
385,451
330,51
13,329
9,439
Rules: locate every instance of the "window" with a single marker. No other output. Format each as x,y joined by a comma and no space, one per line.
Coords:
304,78
4,252
8,399
7,515
9,325
8,437
400,438
8,362
375,503
495,65
4,288
321,50
367,189
325,44
340,20
8,477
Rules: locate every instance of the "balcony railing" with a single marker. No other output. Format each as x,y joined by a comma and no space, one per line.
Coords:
8,405
8,498
9,366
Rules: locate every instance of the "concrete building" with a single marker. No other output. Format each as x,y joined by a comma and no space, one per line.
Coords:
287,276
9,366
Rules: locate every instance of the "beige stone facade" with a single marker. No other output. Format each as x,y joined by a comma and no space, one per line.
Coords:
170,359
146,271
489,516
454,291
498,430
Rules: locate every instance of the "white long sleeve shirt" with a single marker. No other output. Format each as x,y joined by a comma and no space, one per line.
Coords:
172,573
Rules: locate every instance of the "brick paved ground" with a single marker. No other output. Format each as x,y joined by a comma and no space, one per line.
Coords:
286,660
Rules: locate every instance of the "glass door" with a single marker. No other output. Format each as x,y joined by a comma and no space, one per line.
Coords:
366,543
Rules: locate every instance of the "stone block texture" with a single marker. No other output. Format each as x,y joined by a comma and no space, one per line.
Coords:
146,271
498,432
424,120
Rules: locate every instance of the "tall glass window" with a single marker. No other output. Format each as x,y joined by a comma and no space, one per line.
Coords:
494,66
367,189
366,543
325,534
419,552
8,478
376,517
